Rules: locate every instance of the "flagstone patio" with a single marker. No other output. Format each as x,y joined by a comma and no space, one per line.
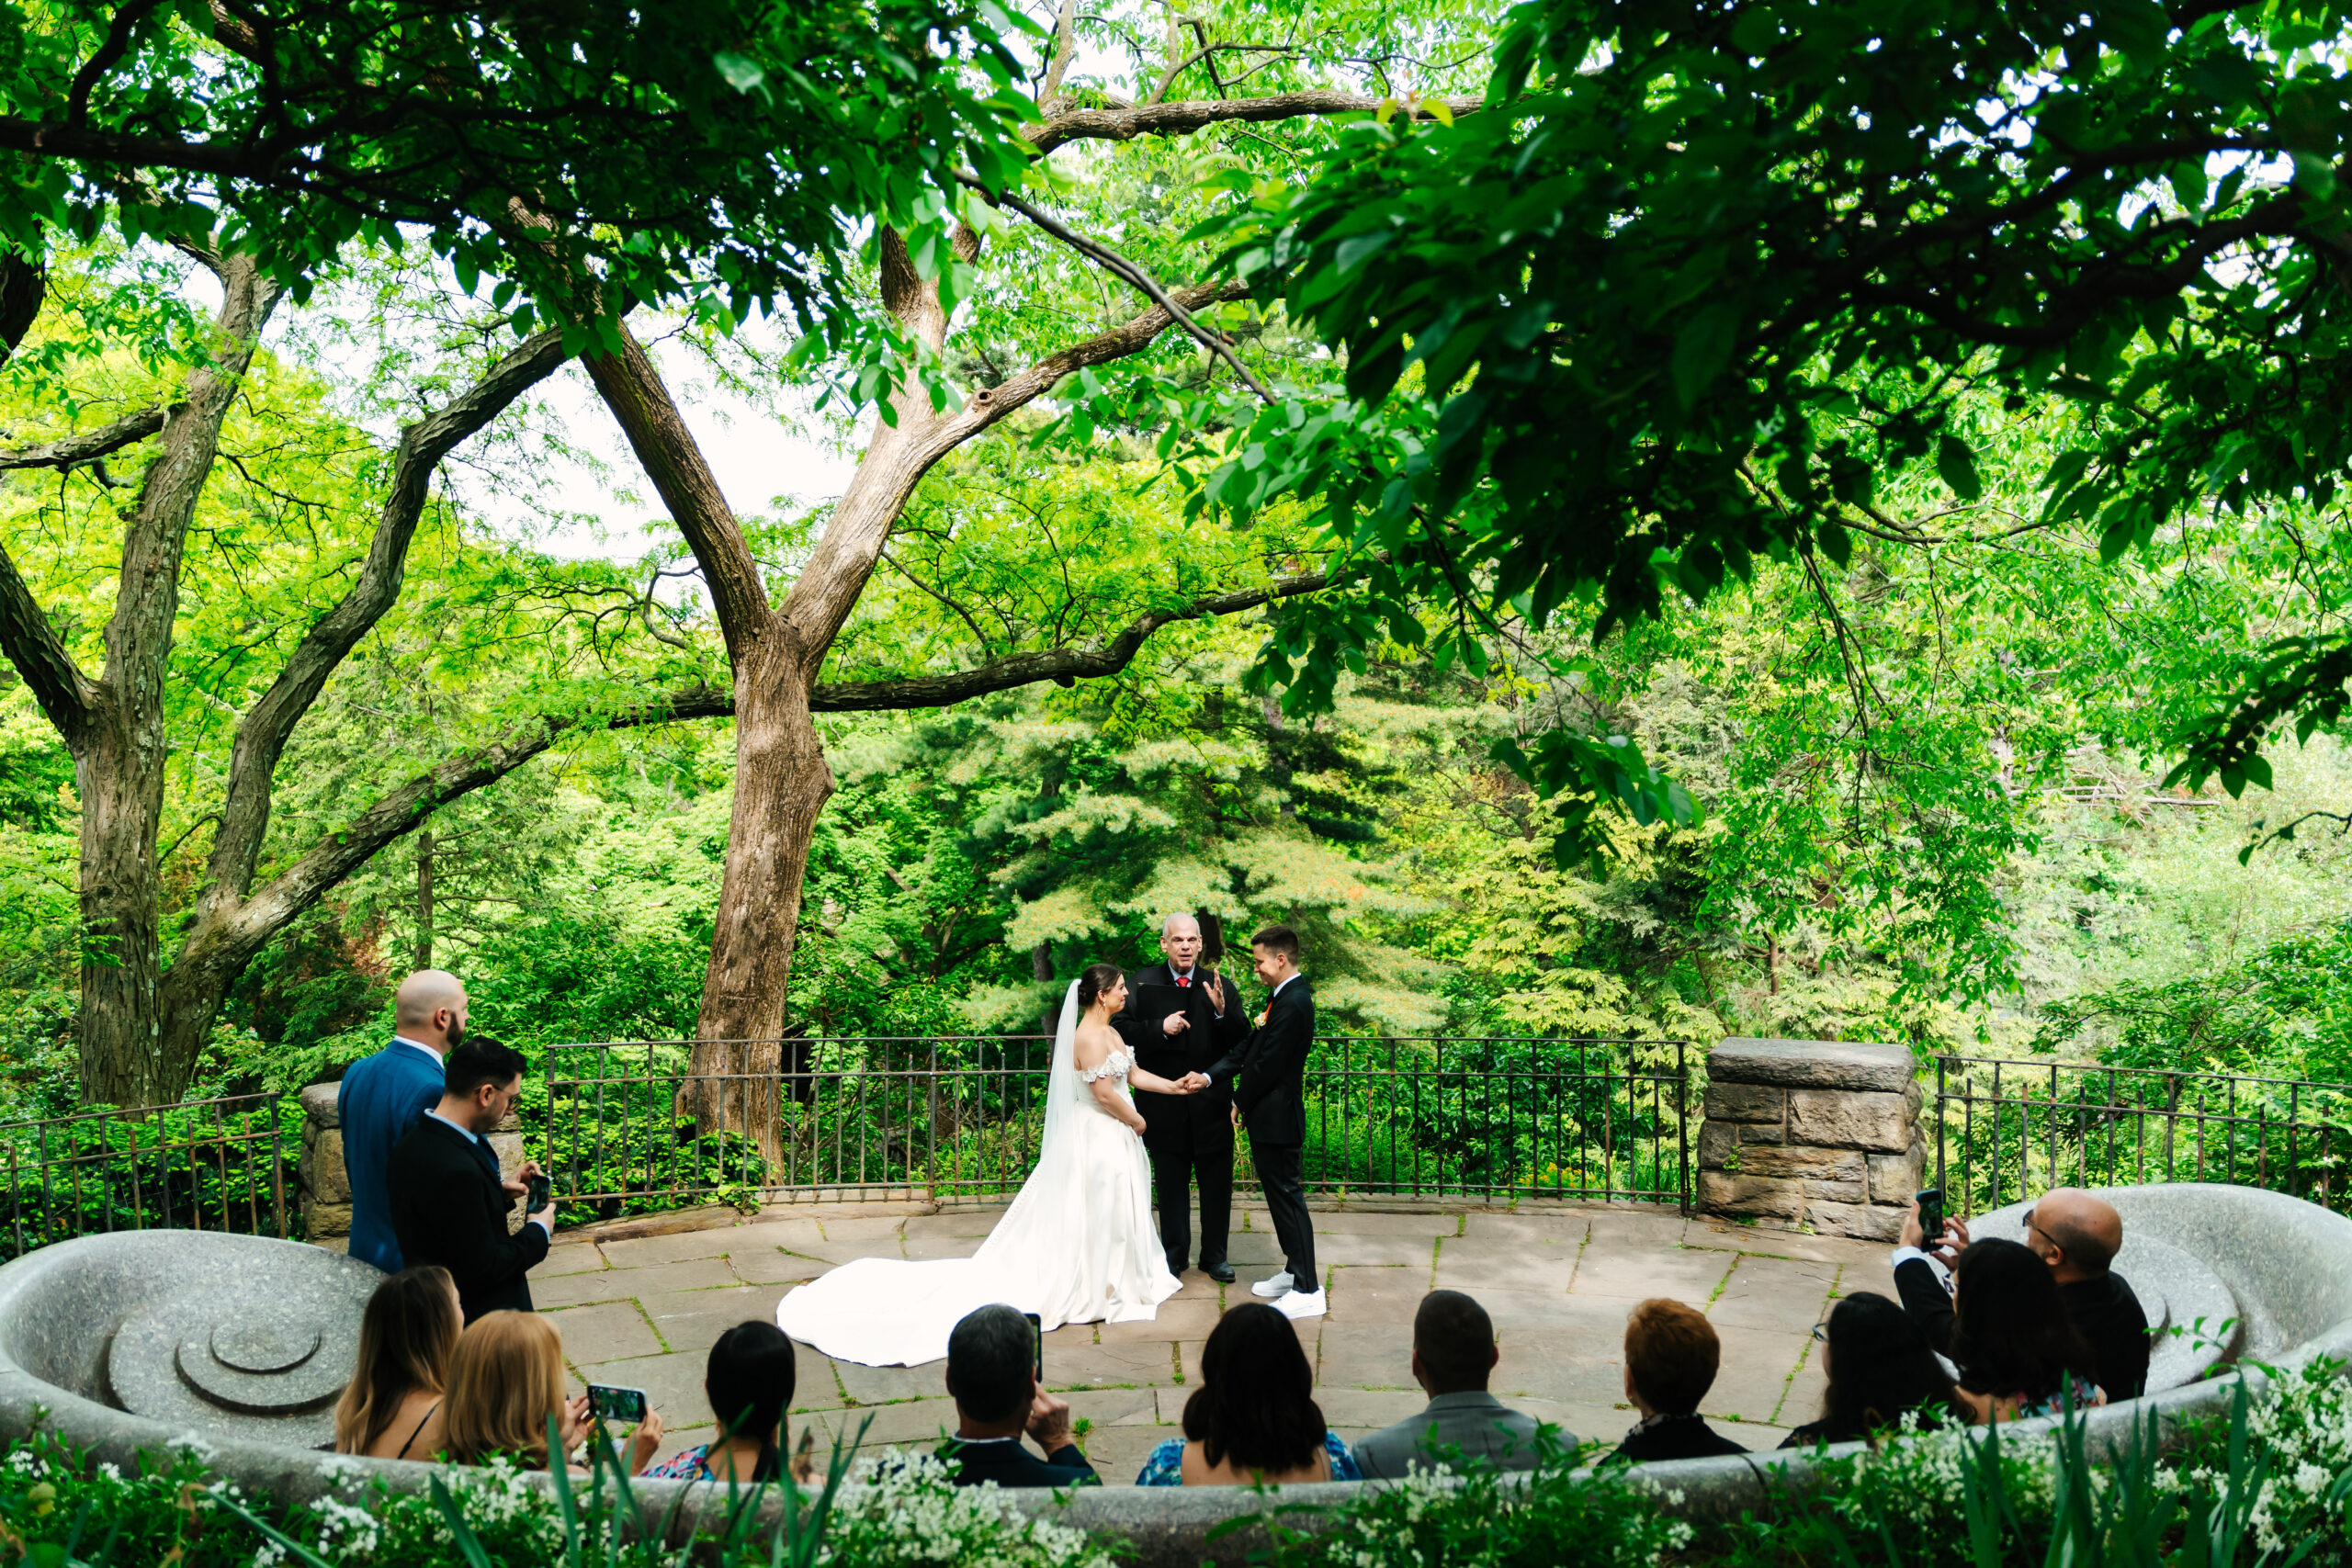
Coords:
643,1309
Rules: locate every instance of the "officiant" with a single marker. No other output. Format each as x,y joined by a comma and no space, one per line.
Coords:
1179,1018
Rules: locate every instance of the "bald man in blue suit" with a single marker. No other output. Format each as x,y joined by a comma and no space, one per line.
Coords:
383,1095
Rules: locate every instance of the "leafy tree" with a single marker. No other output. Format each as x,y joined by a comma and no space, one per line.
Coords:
1703,280
719,160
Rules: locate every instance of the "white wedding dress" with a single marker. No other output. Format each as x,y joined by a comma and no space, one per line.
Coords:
1077,1245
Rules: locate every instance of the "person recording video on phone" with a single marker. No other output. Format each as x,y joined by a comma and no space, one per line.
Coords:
449,1203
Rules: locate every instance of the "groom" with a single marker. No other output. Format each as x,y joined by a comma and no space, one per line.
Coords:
1190,1136
1268,1072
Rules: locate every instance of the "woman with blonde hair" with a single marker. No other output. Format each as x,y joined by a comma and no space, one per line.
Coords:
392,1406
505,1381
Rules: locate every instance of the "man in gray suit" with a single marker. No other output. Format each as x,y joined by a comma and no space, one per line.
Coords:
1453,1349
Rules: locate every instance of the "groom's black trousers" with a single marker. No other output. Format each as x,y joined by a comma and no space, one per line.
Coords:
1191,1145
1280,1173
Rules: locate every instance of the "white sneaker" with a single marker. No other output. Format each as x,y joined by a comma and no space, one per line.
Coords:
1276,1285
1302,1304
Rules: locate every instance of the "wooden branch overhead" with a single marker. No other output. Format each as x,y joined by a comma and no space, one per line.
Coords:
1184,117
86,445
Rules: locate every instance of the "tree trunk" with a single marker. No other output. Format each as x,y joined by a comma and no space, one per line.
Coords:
119,772
782,781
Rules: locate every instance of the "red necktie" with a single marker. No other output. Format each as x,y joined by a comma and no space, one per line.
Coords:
1184,982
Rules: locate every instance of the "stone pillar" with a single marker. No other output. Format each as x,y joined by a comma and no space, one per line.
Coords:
326,1184
1813,1133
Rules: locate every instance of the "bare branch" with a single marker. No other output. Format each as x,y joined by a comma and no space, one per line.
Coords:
89,444
1063,666
261,737
1184,117
1120,266
65,694
1065,47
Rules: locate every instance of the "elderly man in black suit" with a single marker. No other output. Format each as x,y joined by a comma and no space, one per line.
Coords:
1189,1136
1268,1072
449,1203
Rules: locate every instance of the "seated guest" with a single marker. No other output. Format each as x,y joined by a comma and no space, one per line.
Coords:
2076,1237
1671,1354
992,1377
749,1380
392,1406
1453,1350
1879,1368
381,1096
1253,1421
2017,1353
506,1381
450,1206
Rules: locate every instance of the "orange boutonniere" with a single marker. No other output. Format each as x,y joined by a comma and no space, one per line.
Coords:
1261,1018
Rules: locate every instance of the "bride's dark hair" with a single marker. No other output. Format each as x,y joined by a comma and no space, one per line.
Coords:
1097,979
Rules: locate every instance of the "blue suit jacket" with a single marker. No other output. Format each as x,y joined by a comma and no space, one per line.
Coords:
380,1099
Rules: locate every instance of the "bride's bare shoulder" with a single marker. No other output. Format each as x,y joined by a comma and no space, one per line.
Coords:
1092,1043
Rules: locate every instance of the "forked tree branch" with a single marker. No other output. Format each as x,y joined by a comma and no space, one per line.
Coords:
267,724
66,695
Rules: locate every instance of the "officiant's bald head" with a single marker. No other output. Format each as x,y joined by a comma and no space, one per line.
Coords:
430,1008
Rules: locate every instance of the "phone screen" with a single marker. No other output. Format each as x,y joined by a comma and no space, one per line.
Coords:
626,1406
1931,1216
542,1189
1037,1343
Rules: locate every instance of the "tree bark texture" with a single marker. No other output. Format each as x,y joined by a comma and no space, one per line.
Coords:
118,765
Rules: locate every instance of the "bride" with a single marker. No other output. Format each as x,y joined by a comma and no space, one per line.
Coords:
1077,1245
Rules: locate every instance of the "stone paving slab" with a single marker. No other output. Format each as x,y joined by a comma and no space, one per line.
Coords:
642,1307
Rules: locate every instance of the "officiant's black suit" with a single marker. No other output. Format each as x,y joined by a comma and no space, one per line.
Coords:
1188,1136
1268,1072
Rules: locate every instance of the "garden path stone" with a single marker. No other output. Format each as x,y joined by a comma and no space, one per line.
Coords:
1376,1292
606,1332
856,1227
1773,1292
1636,1272
773,1266
568,1258
881,1385
641,1251
1755,1372
694,1319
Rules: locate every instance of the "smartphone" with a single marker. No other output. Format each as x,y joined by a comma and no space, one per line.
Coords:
542,1189
626,1406
1037,1345
1932,1217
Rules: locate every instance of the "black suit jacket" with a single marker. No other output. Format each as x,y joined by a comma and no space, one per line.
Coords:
1677,1436
1196,1050
1011,1464
1268,1070
447,1207
2103,1311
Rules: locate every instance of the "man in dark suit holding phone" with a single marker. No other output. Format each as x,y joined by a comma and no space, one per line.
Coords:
449,1203
1179,1018
1268,1073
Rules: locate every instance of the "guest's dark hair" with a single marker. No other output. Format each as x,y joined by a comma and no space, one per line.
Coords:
481,1061
2011,1334
1096,979
1279,941
1256,1402
1672,1353
749,1379
989,1358
1879,1366
1456,1342
406,1336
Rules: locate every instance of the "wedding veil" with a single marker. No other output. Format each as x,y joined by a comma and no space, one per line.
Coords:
1061,1079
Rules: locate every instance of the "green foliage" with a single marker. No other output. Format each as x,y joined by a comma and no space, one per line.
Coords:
1699,284
714,161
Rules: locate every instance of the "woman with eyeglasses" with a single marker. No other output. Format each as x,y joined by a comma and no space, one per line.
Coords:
1880,1370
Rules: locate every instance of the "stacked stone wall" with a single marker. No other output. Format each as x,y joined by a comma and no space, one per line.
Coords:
1813,1133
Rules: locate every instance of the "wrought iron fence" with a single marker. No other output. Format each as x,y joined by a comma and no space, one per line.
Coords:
632,1128
2006,1129
223,1163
